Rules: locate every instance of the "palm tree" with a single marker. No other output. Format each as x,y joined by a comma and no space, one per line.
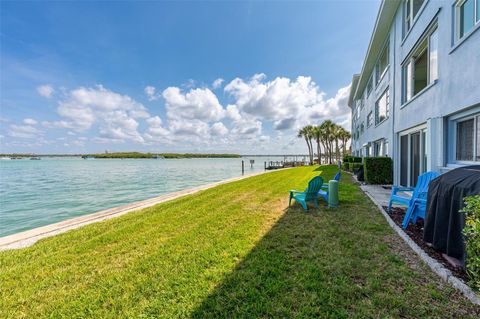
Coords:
303,132
310,134
327,128
344,136
317,135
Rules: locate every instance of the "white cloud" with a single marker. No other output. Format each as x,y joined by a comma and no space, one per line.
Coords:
30,121
233,113
23,131
218,129
217,83
190,127
155,130
289,104
196,104
150,92
46,90
116,115
195,119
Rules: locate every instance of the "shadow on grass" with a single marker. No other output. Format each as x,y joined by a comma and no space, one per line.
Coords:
283,275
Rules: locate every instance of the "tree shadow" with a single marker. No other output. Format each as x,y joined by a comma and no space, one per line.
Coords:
281,277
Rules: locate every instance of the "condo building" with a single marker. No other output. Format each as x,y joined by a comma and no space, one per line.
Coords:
417,98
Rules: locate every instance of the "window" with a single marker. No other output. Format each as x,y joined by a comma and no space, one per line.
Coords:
468,15
411,8
433,56
362,128
382,64
378,148
382,108
468,139
421,68
369,119
369,86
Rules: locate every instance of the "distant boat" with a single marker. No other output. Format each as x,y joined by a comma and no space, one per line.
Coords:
158,157
35,158
5,158
86,157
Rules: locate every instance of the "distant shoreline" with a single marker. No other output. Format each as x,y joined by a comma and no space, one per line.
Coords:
129,155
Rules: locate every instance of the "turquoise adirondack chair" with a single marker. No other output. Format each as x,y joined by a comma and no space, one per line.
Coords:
416,203
309,194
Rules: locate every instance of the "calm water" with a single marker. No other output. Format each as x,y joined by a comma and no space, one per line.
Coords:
38,193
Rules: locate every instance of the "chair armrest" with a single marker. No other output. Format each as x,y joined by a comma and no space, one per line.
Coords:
295,191
421,201
396,189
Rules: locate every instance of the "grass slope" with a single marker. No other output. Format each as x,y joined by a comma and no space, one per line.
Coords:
232,251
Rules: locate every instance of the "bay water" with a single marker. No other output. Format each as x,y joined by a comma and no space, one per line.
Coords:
35,193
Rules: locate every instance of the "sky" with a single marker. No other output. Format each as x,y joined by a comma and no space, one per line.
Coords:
237,77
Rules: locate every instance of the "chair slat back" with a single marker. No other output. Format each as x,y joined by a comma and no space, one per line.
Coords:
314,186
337,176
421,188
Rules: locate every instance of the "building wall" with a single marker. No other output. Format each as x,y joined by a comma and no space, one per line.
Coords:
457,89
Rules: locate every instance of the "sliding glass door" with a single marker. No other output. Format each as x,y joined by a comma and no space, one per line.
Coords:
413,156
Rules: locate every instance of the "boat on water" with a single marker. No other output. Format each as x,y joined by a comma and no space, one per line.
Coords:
35,158
86,157
5,158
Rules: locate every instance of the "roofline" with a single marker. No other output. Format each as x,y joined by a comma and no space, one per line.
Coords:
387,9
353,89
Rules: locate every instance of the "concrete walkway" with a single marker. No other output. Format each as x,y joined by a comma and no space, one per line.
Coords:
380,194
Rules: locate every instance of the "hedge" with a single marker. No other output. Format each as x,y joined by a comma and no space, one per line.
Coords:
352,167
378,170
352,159
472,239
346,159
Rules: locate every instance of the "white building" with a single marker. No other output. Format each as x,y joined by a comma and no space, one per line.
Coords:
417,98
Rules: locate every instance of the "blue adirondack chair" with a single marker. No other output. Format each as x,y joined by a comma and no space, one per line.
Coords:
309,194
337,178
419,192
414,211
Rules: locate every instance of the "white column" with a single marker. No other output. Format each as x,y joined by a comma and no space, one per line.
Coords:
435,144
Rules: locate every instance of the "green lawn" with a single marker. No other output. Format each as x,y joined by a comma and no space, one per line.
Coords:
233,251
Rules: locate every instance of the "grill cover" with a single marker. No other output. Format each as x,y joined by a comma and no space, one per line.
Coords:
444,223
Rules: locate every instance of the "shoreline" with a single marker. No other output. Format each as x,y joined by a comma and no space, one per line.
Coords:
29,237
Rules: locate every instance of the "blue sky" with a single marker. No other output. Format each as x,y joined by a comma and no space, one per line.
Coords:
175,76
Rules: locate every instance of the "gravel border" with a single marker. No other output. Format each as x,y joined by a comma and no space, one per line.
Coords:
436,267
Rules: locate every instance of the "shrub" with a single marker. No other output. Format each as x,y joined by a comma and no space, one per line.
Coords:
356,159
345,166
350,167
472,238
378,170
346,159
356,166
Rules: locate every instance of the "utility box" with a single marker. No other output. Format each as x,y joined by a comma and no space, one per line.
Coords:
332,193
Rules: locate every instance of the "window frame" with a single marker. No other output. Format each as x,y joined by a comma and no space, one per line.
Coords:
476,150
386,93
369,82
370,114
408,64
379,76
413,19
457,24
